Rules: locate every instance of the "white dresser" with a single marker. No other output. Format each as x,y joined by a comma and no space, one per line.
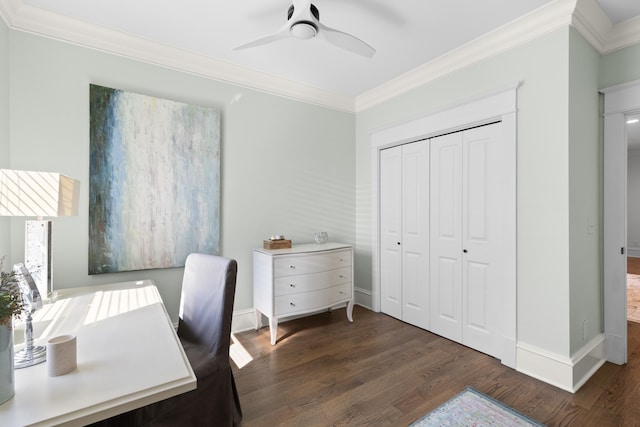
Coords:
303,279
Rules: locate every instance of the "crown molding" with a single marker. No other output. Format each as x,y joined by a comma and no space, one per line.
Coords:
23,17
622,35
584,15
543,20
592,23
596,27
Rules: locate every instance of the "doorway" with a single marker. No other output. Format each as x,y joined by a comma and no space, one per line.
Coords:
620,103
632,124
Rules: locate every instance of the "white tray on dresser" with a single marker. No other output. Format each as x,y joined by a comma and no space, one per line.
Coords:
300,280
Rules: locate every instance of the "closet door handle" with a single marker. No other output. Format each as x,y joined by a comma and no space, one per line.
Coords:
398,243
464,250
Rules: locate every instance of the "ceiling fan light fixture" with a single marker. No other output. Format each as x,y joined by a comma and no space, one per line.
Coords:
304,30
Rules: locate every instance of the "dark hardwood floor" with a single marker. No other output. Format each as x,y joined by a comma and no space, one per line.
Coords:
325,371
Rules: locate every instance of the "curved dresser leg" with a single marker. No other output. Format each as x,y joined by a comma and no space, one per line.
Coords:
273,328
350,311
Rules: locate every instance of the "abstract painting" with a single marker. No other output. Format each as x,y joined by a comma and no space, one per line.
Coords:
154,181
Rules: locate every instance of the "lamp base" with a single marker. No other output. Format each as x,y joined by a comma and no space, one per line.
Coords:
23,359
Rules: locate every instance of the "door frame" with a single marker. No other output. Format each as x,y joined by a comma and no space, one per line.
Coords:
497,105
619,101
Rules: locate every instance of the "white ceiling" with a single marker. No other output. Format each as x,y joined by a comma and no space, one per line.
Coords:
405,33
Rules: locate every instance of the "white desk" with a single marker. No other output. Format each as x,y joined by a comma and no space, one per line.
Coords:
128,356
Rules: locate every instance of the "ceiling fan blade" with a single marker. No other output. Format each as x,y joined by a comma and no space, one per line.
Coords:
280,34
345,41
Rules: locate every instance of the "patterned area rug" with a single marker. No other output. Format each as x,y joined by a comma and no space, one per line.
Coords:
633,297
472,408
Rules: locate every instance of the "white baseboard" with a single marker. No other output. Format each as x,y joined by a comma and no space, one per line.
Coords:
633,252
566,373
615,346
243,320
363,297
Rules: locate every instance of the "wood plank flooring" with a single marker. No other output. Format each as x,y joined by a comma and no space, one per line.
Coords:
633,265
378,371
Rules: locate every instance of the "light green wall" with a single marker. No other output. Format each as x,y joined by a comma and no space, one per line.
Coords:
5,249
287,166
542,174
585,194
621,66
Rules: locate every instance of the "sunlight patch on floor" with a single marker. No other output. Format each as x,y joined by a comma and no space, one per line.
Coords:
238,353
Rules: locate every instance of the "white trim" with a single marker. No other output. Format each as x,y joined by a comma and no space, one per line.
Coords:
592,23
633,252
495,105
622,98
243,320
597,28
569,374
544,20
363,297
23,17
622,35
470,112
584,15
618,100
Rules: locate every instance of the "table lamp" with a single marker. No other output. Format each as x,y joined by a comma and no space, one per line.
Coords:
39,194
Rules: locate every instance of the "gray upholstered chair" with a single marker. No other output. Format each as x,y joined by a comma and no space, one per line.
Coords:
204,328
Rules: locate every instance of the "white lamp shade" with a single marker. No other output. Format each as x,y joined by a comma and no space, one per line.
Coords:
30,193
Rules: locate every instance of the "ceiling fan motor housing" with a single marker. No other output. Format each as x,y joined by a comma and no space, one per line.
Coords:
314,12
304,29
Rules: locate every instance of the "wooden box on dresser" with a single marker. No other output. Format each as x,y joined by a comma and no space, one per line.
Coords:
302,279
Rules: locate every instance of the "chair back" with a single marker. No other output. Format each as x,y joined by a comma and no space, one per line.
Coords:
206,304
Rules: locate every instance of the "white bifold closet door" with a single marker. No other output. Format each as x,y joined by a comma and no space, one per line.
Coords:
404,232
469,254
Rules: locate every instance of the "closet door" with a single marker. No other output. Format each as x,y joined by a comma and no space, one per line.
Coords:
446,236
391,232
404,232
472,236
415,233
488,255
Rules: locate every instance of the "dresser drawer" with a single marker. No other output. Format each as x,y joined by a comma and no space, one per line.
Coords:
308,301
306,264
311,282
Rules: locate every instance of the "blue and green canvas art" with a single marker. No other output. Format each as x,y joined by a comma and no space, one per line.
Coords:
154,187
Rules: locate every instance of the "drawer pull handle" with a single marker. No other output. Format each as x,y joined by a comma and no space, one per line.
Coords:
341,276
292,285
292,267
292,304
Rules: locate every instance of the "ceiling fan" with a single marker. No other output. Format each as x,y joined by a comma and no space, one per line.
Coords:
303,22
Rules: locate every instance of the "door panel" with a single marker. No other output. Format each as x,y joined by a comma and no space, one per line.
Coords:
484,232
390,232
415,233
446,235
404,232
476,289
